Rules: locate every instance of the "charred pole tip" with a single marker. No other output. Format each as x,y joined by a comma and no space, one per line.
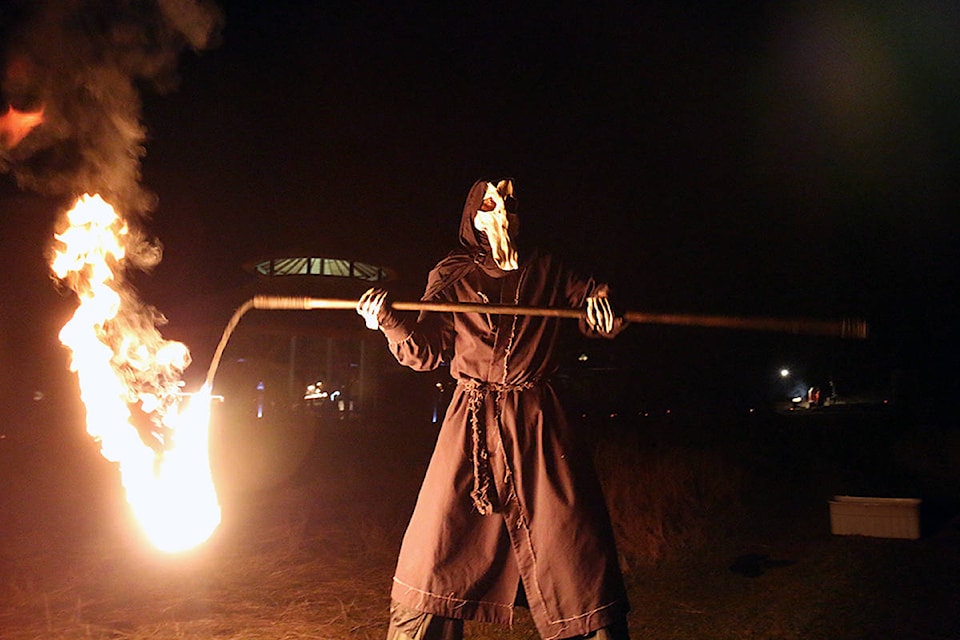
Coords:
847,329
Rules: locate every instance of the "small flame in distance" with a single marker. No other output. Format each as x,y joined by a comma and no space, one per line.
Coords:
129,378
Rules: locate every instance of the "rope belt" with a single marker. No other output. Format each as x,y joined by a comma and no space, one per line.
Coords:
477,391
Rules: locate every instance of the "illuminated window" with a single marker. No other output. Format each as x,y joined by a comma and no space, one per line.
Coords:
314,266
367,272
290,266
339,268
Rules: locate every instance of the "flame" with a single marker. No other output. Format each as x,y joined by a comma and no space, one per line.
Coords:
129,379
15,125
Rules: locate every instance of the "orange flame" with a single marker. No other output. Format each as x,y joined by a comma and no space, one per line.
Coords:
127,373
15,125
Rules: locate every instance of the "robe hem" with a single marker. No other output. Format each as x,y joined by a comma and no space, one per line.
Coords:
500,613
451,606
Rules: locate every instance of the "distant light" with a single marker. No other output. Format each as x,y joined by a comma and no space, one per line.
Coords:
583,357
260,388
784,373
796,399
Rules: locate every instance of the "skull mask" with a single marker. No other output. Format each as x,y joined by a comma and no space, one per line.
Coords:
496,220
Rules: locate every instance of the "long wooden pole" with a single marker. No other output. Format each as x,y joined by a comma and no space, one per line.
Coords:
797,326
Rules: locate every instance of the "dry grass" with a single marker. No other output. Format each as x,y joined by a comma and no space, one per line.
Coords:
257,579
663,499
312,556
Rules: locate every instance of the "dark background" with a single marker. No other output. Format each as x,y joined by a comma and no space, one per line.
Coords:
781,159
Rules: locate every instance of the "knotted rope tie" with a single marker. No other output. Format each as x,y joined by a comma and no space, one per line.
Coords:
476,393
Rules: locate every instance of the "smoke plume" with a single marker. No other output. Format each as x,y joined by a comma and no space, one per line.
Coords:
85,63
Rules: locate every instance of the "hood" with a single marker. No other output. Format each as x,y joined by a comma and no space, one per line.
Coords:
474,236
475,252
469,237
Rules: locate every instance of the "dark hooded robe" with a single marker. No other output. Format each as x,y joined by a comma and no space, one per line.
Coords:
510,493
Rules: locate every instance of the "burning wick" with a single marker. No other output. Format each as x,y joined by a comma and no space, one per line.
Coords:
130,385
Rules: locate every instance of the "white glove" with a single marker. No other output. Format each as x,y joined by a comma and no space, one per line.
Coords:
369,306
600,316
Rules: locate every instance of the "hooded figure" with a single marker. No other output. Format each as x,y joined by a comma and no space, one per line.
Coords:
510,497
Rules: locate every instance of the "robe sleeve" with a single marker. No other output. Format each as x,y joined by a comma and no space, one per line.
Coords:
425,344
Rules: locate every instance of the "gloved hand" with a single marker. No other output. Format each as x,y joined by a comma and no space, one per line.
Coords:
600,315
371,305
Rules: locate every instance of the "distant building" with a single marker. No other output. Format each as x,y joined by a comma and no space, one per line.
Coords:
278,363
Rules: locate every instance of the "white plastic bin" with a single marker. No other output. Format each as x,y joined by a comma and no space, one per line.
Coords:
876,517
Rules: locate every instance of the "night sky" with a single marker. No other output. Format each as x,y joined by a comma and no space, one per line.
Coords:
785,159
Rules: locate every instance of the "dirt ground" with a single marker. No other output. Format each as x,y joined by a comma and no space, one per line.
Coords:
308,542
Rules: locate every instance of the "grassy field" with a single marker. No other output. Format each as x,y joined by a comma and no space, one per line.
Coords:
722,523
